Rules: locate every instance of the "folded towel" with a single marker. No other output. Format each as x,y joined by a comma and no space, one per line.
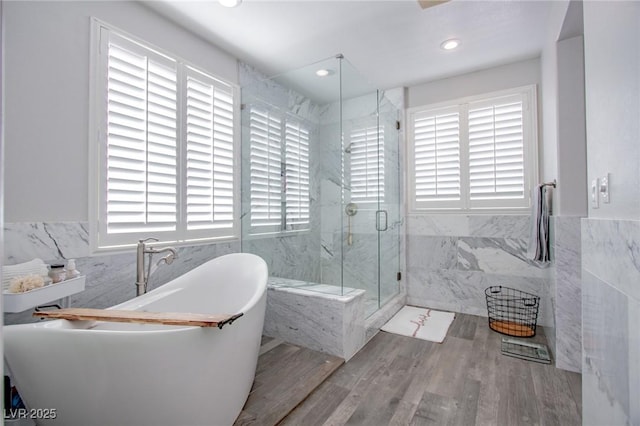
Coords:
538,248
32,267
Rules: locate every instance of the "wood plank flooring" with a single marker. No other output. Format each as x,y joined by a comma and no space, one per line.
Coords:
285,375
396,380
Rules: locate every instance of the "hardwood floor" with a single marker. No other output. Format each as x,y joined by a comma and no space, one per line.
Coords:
398,380
285,375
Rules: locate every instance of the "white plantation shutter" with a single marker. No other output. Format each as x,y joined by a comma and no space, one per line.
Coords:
279,172
496,149
265,157
436,158
209,157
474,154
166,147
141,132
297,175
367,165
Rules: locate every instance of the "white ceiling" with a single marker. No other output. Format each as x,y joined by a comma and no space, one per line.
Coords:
391,43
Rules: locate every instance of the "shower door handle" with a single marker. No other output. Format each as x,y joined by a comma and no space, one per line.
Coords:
381,225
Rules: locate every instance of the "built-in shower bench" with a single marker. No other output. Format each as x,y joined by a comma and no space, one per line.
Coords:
321,317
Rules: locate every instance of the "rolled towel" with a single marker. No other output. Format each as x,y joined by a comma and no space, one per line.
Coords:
32,267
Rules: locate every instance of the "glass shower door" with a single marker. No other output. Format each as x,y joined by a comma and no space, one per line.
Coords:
388,220
371,203
360,206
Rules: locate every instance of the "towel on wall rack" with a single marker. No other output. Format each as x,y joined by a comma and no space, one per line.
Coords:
538,248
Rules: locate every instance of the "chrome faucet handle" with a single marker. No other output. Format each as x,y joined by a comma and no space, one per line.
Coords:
148,239
168,259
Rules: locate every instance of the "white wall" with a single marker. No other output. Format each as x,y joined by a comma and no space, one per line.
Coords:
612,71
47,69
563,155
476,83
572,146
549,72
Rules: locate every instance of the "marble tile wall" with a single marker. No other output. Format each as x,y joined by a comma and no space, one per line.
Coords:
292,256
110,277
45,240
325,322
550,308
567,293
610,321
451,259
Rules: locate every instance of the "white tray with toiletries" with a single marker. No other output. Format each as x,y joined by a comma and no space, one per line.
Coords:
18,302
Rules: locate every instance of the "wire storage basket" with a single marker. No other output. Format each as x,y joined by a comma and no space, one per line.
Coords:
512,312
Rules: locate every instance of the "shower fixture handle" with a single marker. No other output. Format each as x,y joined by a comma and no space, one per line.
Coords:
350,209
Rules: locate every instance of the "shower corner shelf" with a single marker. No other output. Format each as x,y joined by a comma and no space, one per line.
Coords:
19,302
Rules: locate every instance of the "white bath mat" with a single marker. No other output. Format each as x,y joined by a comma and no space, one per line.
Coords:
421,323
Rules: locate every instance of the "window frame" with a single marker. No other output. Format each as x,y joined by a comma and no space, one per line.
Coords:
100,241
466,205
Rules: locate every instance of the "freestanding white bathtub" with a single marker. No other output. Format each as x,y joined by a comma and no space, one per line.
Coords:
100,373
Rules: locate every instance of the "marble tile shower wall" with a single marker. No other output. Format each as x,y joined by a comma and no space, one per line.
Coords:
292,255
611,321
451,259
110,277
333,219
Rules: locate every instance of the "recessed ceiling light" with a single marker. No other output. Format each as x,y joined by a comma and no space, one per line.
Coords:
230,3
324,72
450,44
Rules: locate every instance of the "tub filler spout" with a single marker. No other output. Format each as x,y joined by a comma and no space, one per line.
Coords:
142,275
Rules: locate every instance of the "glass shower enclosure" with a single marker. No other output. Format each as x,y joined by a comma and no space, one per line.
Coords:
321,181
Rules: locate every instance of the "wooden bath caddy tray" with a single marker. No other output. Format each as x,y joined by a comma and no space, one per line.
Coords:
166,318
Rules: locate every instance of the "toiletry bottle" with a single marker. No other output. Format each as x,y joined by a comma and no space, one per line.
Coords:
72,272
57,273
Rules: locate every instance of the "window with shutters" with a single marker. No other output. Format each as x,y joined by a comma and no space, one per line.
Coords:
265,162
165,149
366,165
296,173
474,155
279,172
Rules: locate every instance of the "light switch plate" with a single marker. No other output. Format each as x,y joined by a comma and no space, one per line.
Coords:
604,189
595,193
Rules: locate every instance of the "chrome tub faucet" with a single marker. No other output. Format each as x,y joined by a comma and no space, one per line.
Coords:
142,273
